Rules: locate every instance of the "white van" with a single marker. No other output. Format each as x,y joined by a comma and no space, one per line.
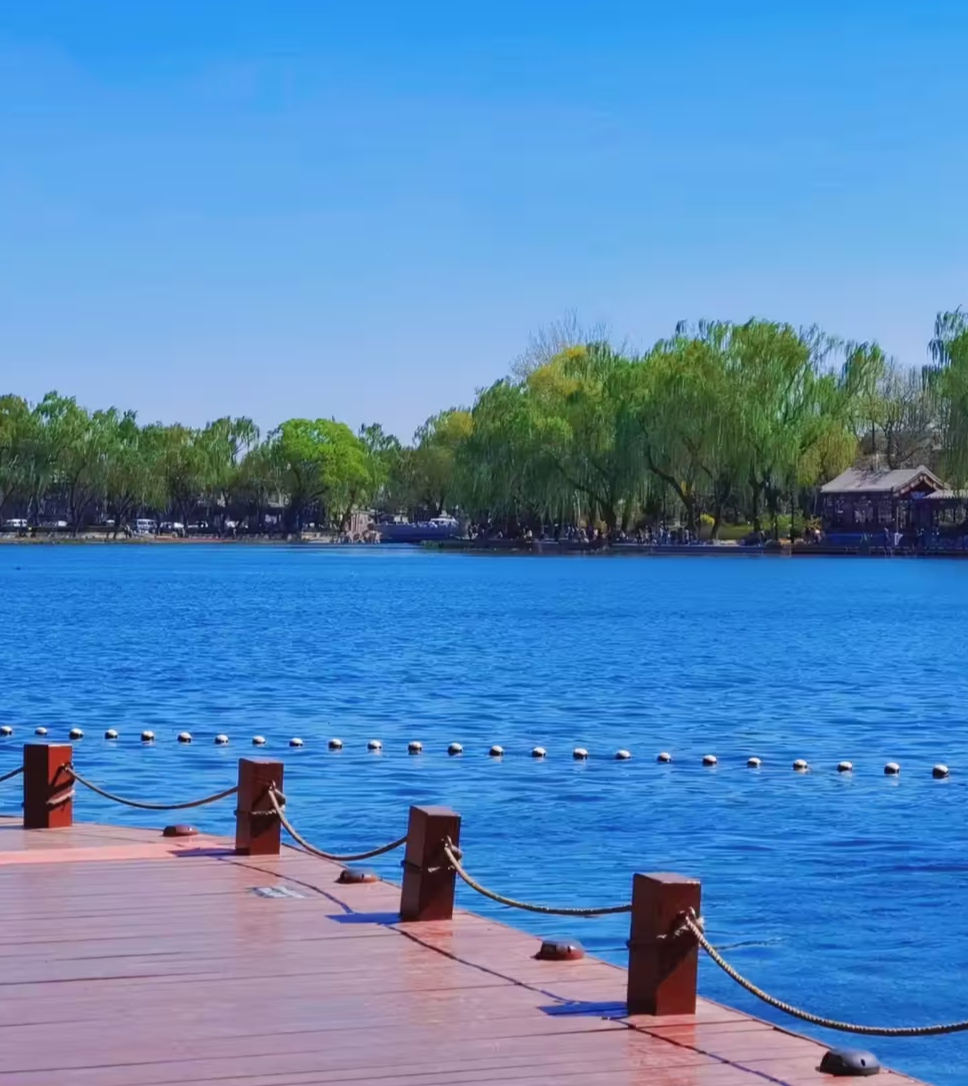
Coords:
145,527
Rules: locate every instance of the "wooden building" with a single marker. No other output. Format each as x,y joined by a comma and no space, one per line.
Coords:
861,501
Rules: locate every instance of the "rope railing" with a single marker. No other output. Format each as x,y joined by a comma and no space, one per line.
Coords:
13,773
274,796
691,924
144,806
433,864
454,857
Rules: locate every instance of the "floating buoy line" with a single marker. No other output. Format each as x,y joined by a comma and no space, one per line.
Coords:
939,771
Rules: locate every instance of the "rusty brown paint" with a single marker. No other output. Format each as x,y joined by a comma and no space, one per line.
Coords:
47,786
663,967
428,879
258,831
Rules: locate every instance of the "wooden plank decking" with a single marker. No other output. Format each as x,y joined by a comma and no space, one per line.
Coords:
127,959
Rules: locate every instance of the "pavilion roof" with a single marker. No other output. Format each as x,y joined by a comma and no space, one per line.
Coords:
888,481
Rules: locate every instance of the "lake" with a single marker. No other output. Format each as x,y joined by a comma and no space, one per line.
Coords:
840,893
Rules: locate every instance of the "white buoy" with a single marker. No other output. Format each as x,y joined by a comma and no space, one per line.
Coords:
295,742
258,740
664,757
939,771
754,763
221,739
539,752
40,731
5,729
579,754
184,737
622,755
496,752
892,769
709,759
111,733
147,737
374,744
336,744
415,747
455,748
800,765
845,767
76,733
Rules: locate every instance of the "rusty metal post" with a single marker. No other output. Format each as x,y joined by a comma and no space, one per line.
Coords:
257,833
48,787
663,965
428,880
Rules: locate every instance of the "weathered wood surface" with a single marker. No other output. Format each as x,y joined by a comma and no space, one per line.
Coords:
127,959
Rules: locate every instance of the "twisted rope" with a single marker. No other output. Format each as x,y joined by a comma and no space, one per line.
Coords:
149,806
454,859
13,773
690,924
273,793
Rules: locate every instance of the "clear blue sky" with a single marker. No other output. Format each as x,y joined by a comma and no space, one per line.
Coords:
362,209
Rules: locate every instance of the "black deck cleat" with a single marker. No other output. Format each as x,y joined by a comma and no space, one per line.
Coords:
849,1061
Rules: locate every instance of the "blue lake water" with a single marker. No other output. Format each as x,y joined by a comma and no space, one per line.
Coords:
843,894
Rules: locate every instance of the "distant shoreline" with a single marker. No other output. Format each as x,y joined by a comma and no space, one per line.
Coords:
57,540
496,547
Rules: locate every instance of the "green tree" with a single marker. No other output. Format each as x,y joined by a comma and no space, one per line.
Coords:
581,403
384,454
321,462
14,433
218,452
258,481
689,412
135,476
433,462
503,467
948,377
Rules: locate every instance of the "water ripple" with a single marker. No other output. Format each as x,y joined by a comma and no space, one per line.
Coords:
831,889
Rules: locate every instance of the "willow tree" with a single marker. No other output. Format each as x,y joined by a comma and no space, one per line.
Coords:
504,466
689,420
14,432
432,465
134,467
948,377
384,453
580,400
792,400
220,448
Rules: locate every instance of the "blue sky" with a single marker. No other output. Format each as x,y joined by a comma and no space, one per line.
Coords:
363,209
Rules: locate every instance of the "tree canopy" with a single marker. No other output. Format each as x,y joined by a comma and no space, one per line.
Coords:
720,420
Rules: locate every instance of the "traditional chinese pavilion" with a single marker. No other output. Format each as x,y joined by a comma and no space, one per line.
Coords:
902,500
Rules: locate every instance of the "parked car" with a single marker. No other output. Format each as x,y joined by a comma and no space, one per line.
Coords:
199,527
171,527
16,524
54,526
145,527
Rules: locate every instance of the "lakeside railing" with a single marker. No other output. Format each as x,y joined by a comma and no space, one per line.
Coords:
665,935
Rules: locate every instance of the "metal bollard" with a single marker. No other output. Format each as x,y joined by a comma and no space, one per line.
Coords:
663,964
257,833
48,788
428,880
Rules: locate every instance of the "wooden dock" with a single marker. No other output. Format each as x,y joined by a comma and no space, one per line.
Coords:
129,959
